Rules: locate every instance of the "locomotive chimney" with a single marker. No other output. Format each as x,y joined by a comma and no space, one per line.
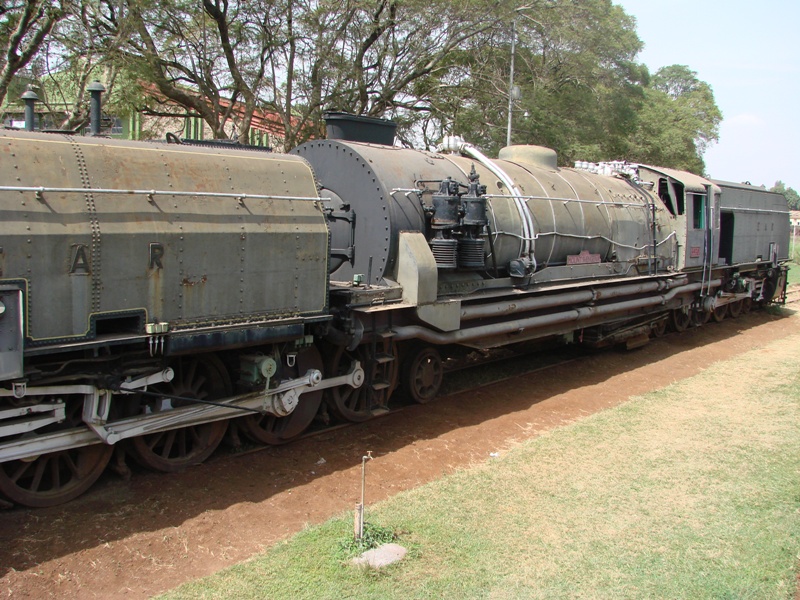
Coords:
30,98
355,128
96,90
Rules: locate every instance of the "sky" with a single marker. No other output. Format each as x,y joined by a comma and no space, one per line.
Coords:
749,52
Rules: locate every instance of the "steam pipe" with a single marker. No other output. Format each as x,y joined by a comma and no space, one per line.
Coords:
456,144
30,99
501,309
522,209
96,90
576,316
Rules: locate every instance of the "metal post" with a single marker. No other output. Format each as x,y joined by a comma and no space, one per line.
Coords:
96,90
511,80
30,98
359,516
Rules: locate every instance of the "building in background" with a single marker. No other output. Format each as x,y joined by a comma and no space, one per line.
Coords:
147,123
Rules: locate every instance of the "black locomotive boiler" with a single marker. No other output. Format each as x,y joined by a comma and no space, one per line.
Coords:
151,293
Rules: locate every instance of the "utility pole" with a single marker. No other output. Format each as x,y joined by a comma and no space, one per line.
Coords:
511,79
514,92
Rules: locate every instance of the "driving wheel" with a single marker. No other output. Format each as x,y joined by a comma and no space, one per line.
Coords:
269,429
56,477
196,378
659,328
680,319
380,379
720,313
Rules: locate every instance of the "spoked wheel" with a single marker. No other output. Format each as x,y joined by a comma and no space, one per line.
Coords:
659,328
700,317
202,378
357,404
53,478
681,318
747,305
735,309
720,313
57,477
269,429
422,373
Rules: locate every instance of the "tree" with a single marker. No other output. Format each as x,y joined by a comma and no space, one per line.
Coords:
578,79
192,56
294,58
70,59
24,27
436,66
375,59
792,197
677,122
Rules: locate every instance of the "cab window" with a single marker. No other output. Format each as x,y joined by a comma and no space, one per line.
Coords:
698,211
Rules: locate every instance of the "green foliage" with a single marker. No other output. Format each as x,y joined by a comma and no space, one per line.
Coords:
24,30
678,120
582,91
794,271
580,86
374,536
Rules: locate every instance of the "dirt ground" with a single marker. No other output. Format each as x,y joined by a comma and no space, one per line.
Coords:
139,537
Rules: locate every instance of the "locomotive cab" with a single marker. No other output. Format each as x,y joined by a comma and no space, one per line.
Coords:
694,204
733,232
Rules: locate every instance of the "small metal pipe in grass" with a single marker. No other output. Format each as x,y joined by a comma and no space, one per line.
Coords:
358,525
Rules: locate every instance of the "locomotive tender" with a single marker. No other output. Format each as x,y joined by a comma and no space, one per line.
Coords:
151,292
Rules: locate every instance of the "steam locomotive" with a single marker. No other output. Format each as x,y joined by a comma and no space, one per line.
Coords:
151,294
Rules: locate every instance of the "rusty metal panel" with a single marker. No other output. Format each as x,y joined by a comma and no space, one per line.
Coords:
198,252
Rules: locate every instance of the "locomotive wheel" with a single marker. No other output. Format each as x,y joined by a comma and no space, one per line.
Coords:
747,305
735,309
54,478
202,378
269,429
357,404
57,477
423,373
681,319
700,317
720,313
659,329
350,404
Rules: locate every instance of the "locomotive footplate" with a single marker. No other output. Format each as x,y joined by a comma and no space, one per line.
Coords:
355,295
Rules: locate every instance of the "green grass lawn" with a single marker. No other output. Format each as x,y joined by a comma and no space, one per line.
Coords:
690,492
794,266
